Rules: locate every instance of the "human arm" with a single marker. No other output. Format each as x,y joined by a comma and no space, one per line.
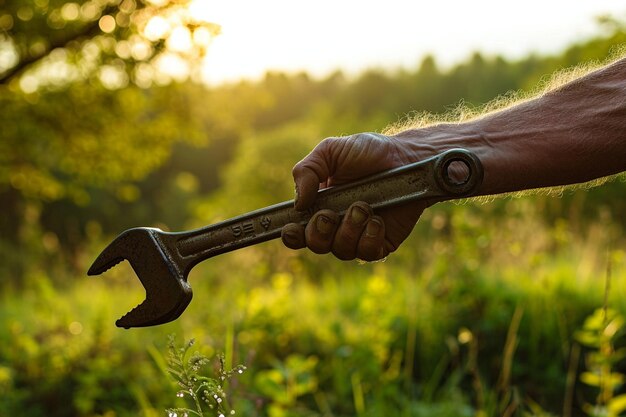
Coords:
570,134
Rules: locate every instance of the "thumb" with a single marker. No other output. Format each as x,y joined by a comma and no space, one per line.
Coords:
307,184
310,172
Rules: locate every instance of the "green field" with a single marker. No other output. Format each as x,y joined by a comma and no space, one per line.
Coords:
478,313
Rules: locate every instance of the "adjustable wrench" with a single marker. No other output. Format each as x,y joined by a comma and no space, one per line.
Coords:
162,260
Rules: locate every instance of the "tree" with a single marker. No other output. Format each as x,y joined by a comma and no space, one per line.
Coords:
56,42
89,101
70,88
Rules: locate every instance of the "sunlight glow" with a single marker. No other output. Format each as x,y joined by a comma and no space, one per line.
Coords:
113,77
140,49
180,40
351,35
157,28
171,66
202,36
107,23
8,54
209,11
70,11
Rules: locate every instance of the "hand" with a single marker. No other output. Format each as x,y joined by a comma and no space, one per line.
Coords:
361,233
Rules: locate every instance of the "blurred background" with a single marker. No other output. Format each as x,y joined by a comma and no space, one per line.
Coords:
177,114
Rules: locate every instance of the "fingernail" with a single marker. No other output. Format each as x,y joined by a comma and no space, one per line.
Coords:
290,238
372,228
324,225
358,215
297,197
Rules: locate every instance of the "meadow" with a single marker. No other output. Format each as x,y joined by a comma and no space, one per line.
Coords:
479,314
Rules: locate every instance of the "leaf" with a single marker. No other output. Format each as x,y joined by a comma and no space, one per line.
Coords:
587,338
613,327
590,379
617,404
175,372
612,379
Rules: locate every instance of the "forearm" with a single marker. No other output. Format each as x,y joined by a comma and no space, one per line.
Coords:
572,134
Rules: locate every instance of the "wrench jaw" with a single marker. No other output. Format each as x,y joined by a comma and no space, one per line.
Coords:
167,291
152,312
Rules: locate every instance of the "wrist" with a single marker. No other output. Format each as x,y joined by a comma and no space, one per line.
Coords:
422,143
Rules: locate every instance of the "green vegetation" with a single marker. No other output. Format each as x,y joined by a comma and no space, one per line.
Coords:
207,394
489,309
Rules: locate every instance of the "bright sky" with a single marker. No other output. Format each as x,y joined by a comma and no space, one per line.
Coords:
320,36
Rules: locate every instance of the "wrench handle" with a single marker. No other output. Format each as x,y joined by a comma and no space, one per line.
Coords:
425,180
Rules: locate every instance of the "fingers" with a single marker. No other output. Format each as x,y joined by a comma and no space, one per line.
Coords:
307,183
360,234
292,236
318,235
320,231
371,245
354,237
338,160
310,172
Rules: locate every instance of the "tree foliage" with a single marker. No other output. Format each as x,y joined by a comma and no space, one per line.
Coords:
73,75
49,43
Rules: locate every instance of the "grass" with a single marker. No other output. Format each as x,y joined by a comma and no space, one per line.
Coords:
480,320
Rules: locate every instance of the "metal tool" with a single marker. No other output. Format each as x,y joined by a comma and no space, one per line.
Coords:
162,260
